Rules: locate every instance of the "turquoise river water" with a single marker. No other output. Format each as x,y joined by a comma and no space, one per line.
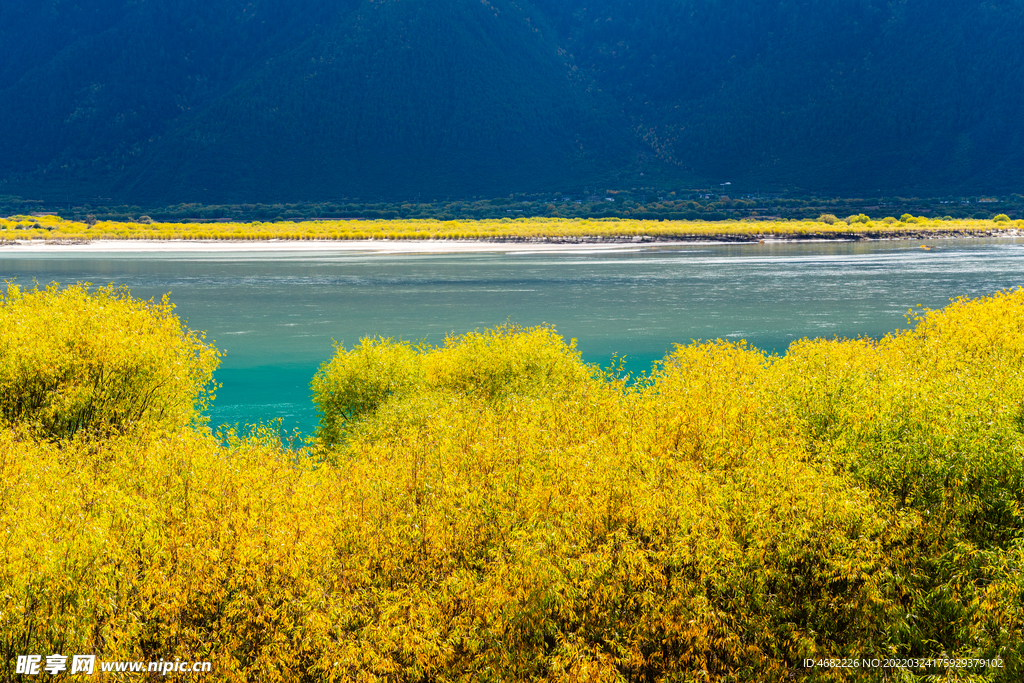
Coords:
277,315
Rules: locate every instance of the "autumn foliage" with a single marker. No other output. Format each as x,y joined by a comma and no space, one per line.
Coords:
100,361
827,226
497,509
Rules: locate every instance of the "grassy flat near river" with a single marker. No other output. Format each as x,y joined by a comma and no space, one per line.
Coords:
494,509
827,227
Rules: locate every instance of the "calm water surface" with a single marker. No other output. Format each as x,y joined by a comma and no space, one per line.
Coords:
277,315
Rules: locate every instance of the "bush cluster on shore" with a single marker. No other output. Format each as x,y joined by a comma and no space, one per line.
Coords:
497,509
827,226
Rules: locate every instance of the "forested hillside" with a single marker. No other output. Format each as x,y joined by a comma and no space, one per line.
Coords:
834,95
312,100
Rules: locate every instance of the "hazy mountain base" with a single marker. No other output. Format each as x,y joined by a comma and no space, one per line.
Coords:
638,203
496,509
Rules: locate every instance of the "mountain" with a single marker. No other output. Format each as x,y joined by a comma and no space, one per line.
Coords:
827,95
153,101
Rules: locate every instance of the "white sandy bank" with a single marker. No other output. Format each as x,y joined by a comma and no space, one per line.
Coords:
332,246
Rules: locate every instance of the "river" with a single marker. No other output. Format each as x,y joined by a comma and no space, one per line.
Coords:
277,314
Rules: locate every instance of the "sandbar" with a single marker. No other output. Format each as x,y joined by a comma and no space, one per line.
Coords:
505,245
341,246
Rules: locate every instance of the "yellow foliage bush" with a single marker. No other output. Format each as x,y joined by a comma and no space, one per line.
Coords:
495,509
98,361
505,360
54,227
357,382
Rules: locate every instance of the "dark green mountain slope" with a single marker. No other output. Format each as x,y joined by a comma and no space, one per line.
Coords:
290,100
391,102
844,95
89,84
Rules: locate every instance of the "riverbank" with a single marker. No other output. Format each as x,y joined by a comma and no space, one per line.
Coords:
452,246
497,244
53,230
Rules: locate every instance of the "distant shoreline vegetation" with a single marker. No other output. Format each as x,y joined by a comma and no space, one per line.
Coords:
826,226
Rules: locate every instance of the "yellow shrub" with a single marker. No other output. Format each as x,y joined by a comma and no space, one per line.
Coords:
357,382
506,359
99,361
495,509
